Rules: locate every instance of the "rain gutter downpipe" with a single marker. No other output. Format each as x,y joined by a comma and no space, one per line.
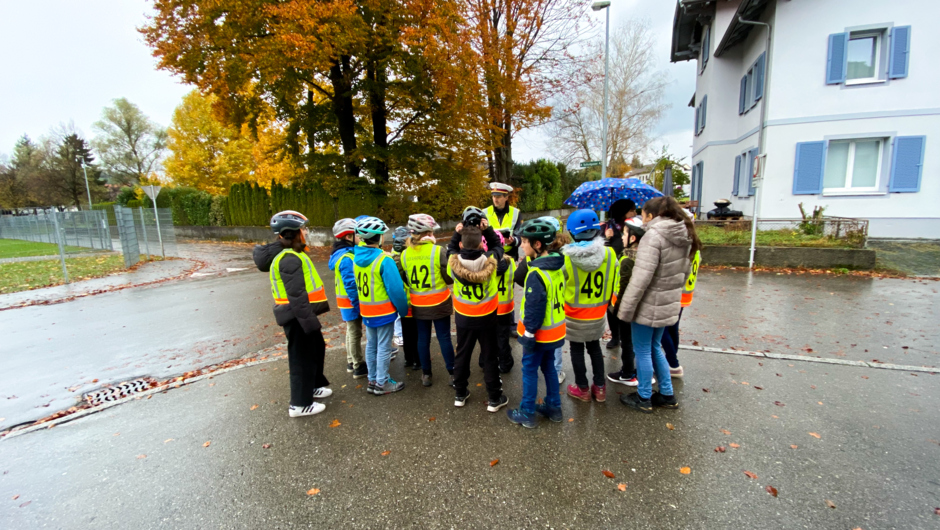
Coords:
760,134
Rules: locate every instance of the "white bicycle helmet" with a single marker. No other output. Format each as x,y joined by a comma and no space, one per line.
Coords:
371,226
344,227
422,222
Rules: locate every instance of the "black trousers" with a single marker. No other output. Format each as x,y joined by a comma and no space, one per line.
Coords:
409,338
467,339
577,362
626,348
671,343
305,355
504,350
613,324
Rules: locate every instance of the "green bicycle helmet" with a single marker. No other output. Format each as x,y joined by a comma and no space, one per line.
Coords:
539,230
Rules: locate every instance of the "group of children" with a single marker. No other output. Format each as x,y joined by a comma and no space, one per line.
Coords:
570,282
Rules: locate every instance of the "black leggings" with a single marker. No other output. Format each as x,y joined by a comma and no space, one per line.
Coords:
305,360
577,362
626,349
612,323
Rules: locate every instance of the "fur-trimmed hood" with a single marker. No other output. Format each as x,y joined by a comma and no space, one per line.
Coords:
479,270
589,257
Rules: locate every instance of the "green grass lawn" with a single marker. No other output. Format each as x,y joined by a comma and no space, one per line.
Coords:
722,236
26,275
16,248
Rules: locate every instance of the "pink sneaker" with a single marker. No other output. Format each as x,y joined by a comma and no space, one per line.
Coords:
600,393
676,373
577,393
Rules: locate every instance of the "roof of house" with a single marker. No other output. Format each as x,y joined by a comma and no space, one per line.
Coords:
688,21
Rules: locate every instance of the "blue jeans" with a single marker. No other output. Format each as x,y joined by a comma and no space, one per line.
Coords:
398,328
558,354
379,352
648,350
532,360
442,327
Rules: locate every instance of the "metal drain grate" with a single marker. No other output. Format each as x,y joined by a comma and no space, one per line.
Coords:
117,392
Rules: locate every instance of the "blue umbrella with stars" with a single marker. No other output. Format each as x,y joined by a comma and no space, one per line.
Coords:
598,195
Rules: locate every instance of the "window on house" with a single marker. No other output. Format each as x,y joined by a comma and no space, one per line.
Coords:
853,165
863,57
706,46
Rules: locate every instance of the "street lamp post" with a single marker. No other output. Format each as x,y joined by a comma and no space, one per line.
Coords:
81,160
597,6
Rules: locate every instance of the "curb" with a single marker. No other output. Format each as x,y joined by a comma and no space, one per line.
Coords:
820,360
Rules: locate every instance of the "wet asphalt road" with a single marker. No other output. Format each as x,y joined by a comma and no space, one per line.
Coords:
146,464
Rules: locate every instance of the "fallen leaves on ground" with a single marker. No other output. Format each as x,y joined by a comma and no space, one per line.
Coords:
734,445
386,453
432,418
864,377
622,487
168,440
830,504
335,423
771,490
814,435
936,511
16,497
141,457
726,431
720,449
685,470
266,446
25,504
608,474
670,426
570,419
313,491
793,446
494,462
750,475
780,404
207,444
758,387
706,390
253,407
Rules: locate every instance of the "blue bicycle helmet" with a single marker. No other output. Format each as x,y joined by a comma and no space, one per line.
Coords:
583,224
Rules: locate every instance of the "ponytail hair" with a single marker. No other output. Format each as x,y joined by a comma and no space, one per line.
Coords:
669,208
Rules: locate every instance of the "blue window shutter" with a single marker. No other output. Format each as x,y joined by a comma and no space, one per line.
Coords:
706,46
698,189
694,182
704,107
737,175
907,164
742,97
698,121
759,77
836,61
750,171
900,52
808,168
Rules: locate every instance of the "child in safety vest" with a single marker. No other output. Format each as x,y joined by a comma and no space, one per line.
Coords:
406,328
341,263
627,373
671,335
425,267
590,275
476,300
299,297
382,299
541,324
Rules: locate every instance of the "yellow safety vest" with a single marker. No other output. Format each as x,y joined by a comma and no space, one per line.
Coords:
509,220
507,303
315,291
342,297
690,283
373,298
474,299
588,293
422,268
613,297
553,325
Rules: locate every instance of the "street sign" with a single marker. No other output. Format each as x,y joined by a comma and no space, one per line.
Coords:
152,192
592,163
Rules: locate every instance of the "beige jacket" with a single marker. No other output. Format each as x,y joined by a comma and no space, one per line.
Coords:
653,296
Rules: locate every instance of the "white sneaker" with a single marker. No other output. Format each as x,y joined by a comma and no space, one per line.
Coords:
398,341
296,412
634,382
677,373
561,377
322,392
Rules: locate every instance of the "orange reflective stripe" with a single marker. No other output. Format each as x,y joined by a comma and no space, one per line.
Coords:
317,296
613,299
281,301
546,335
343,302
476,310
686,299
506,308
376,309
585,313
429,299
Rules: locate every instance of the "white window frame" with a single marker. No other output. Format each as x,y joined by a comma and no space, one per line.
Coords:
878,188
705,53
879,36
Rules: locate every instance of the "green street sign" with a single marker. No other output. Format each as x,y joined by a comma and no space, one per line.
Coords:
592,163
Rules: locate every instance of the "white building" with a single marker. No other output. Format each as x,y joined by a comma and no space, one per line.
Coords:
849,100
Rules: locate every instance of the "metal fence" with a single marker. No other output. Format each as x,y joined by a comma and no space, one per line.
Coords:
852,232
78,232
145,231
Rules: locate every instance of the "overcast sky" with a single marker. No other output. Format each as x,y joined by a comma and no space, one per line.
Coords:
63,61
